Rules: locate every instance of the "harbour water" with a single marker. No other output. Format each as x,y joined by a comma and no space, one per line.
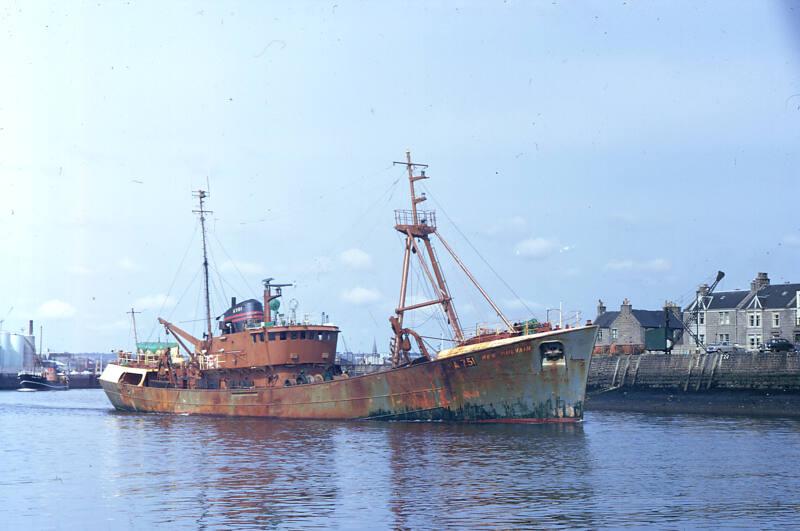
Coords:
70,462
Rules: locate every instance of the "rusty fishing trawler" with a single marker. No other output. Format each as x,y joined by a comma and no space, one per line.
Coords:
262,366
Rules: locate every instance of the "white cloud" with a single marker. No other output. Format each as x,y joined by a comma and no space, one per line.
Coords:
539,248
792,240
359,295
55,309
656,265
154,302
356,259
126,264
246,268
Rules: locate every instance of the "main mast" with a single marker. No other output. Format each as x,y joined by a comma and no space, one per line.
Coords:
201,195
418,225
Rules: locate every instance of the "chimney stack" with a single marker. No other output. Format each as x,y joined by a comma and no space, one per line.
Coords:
601,308
672,307
761,281
30,327
626,308
702,290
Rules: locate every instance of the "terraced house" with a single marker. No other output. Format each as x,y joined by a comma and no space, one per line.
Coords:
625,331
746,318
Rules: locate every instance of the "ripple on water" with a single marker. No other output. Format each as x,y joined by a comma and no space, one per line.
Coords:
72,458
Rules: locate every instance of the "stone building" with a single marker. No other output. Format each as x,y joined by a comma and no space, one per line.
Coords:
624,331
746,318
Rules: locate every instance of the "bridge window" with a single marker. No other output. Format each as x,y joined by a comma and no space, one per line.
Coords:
271,336
283,336
302,335
294,335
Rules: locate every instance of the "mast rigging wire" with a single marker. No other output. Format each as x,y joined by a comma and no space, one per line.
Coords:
439,205
174,279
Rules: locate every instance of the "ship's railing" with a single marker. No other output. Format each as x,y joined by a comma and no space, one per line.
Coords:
208,361
481,329
424,217
487,329
130,358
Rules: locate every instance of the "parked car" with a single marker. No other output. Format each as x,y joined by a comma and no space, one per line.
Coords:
777,344
720,347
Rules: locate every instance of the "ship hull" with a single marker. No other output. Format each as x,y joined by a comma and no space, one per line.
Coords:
33,382
501,381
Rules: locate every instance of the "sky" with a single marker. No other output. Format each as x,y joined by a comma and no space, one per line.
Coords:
578,151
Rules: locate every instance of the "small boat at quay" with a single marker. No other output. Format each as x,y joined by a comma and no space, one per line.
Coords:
260,365
49,378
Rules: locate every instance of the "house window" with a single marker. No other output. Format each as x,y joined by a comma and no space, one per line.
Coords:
701,318
702,338
754,341
614,334
754,319
797,318
723,339
776,320
600,335
724,318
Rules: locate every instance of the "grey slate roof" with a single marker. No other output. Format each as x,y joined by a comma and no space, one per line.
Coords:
777,295
605,320
723,300
646,318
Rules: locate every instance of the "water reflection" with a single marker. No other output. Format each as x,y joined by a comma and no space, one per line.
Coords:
499,475
71,462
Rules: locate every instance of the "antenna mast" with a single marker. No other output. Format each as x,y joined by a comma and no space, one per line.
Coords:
135,335
201,196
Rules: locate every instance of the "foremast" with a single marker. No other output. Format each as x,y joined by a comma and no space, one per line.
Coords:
201,195
417,226
197,345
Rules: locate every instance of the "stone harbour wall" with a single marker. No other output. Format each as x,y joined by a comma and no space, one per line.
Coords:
721,383
697,372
